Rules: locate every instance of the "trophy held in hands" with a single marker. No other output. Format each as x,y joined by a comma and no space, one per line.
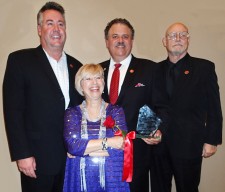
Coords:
148,123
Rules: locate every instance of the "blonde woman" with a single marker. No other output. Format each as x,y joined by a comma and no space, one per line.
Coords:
95,162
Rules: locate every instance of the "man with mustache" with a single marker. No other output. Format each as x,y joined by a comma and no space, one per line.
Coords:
137,86
38,86
195,127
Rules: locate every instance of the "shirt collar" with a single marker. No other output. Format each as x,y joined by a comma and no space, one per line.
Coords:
124,63
62,59
180,62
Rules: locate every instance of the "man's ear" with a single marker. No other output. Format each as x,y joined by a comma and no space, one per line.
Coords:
39,30
164,41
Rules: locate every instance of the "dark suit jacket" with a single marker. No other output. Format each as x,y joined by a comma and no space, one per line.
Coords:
34,108
132,97
195,109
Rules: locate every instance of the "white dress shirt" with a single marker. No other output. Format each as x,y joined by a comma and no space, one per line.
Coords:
61,72
123,70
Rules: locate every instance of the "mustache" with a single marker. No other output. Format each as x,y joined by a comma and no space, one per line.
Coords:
120,44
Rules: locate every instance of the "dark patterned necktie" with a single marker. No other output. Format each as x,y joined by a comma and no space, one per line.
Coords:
171,79
114,85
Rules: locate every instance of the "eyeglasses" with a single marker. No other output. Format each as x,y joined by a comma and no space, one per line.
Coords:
182,35
92,78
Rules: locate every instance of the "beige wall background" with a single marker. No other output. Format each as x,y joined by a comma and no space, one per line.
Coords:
86,21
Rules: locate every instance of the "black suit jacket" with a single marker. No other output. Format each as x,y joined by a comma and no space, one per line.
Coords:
132,97
34,108
195,109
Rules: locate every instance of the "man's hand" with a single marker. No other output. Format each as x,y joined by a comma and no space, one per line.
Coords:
208,150
156,139
27,166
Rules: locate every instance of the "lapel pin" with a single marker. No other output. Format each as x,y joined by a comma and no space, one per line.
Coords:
71,65
131,71
186,72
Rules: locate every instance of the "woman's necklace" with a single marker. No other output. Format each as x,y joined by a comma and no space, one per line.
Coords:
84,105
84,135
102,130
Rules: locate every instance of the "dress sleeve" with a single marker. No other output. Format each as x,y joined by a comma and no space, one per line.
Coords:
75,145
118,115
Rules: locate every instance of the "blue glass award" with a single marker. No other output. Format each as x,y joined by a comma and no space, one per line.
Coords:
148,123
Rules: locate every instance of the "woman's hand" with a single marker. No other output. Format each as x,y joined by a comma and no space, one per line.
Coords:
116,142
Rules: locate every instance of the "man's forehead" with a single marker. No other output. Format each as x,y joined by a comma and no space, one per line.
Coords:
52,14
177,28
119,29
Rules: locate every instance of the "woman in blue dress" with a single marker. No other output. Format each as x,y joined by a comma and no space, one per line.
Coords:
95,155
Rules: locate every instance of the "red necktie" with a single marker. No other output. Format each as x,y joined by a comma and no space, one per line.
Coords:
113,93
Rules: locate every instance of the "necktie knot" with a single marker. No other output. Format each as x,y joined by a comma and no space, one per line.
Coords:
117,65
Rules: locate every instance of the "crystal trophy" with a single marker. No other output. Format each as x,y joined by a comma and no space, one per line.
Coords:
148,123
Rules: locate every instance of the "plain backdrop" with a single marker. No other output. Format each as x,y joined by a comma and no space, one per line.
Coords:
86,20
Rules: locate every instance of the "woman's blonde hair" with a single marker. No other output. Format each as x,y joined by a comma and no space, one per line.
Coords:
87,70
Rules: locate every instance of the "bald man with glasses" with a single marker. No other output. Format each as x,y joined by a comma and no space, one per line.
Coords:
195,127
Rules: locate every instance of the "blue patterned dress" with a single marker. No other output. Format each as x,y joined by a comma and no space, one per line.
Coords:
76,146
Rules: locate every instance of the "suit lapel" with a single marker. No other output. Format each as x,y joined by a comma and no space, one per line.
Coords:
72,69
106,71
43,61
70,66
129,78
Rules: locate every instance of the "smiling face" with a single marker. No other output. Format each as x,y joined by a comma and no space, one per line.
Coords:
92,86
176,40
52,30
119,41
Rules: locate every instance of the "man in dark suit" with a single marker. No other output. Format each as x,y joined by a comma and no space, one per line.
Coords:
137,87
38,86
195,127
